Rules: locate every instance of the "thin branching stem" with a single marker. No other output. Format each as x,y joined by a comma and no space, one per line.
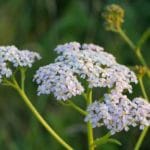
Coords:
133,47
89,125
22,73
70,103
142,87
127,40
144,132
140,57
141,138
27,101
76,107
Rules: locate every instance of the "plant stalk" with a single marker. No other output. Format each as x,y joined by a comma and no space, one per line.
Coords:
77,108
141,138
40,118
144,132
143,88
89,125
140,57
133,47
22,72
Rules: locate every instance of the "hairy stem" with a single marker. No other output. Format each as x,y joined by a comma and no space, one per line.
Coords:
40,118
144,132
89,126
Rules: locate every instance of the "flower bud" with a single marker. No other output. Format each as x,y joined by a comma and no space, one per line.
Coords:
140,70
114,17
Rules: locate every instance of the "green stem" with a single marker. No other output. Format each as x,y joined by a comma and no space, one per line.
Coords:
8,83
144,38
144,132
89,125
22,72
74,106
80,110
102,140
133,47
140,57
127,40
143,88
141,138
40,118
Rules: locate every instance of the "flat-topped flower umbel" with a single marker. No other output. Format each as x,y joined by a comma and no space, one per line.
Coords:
86,61
10,55
57,78
98,68
117,113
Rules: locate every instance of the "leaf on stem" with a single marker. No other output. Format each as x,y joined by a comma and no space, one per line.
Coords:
105,139
114,141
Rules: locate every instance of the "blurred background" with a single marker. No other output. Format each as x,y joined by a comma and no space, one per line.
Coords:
40,25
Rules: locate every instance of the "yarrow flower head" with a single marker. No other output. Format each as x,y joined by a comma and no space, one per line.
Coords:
57,78
4,71
67,47
117,113
87,61
10,55
99,68
114,17
141,112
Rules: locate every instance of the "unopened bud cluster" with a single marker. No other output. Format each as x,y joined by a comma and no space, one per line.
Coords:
114,17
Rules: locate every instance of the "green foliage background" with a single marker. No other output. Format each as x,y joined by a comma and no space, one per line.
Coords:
42,24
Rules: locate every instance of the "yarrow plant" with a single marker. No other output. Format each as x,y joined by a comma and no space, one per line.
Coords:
78,69
99,69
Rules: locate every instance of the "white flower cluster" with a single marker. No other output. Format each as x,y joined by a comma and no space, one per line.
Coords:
99,68
141,112
117,113
58,79
90,62
11,55
4,71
